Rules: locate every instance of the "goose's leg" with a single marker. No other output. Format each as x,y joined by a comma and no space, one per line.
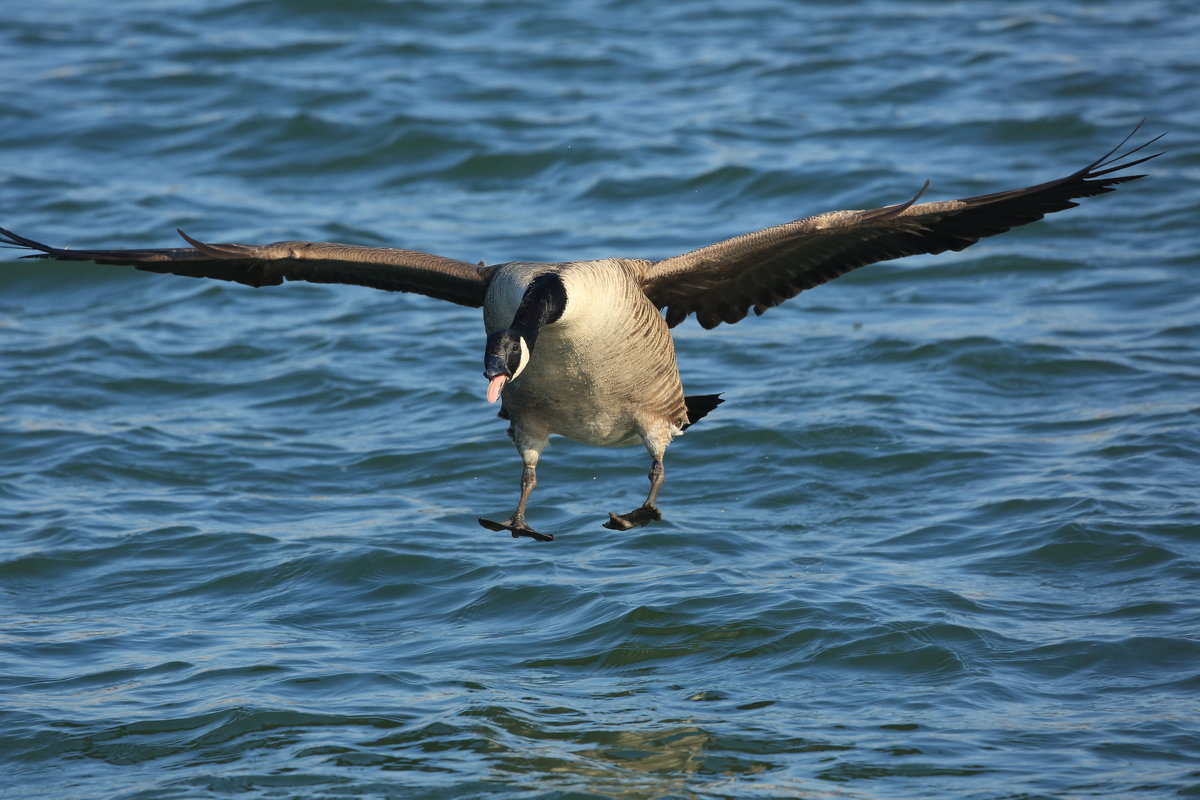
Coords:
516,523
647,512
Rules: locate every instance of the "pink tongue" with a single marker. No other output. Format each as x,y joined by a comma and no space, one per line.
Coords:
495,386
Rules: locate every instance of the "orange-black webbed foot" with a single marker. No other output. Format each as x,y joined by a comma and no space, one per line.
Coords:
517,528
634,519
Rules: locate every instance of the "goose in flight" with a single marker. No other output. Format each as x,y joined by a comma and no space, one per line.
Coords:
582,349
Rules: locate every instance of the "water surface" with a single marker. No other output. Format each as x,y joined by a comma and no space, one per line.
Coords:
941,541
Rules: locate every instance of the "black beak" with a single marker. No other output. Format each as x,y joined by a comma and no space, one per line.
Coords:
495,365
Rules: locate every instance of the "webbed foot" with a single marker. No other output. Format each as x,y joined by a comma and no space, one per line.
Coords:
517,527
634,519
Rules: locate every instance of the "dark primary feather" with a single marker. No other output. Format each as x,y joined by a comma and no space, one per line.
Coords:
723,281
272,264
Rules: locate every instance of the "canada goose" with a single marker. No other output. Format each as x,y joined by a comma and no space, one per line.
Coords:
580,348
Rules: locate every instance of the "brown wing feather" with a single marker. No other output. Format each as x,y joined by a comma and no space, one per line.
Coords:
272,264
723,281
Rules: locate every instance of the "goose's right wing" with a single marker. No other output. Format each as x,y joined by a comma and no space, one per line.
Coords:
272,264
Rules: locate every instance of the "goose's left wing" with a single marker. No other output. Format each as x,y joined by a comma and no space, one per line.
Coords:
271,264
723,281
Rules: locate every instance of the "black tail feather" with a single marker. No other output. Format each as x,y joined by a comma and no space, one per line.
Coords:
698,405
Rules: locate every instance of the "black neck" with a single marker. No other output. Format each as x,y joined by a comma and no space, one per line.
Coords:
543,303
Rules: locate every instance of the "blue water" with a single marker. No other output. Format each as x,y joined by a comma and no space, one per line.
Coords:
941,541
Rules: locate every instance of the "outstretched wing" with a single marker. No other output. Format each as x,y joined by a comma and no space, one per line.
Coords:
272,264
723,281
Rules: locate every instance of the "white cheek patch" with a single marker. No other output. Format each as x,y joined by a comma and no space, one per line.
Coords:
524,357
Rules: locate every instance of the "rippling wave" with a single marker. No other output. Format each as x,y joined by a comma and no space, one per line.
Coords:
940,541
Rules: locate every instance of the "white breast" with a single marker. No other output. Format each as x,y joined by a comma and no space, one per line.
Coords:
605,372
